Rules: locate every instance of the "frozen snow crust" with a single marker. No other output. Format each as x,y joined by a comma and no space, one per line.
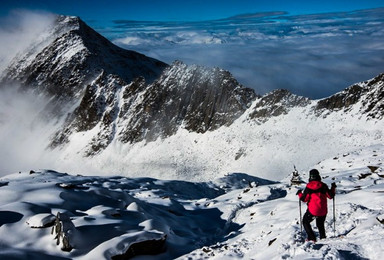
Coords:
236,216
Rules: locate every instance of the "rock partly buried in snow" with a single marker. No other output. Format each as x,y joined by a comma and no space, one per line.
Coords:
138,243
42,220
373,168
63,230
134,207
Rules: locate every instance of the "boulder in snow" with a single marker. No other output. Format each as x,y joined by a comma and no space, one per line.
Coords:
42,220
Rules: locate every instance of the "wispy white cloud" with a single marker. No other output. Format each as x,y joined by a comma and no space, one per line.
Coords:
24,132
18,30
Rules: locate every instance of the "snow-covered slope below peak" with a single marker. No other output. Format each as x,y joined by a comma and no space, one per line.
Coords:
194,98
269,149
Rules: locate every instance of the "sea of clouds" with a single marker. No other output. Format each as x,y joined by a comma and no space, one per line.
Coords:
311,55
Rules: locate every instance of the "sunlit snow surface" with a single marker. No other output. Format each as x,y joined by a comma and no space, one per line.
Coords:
235,216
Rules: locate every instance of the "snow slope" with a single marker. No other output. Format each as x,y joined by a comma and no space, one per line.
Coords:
302,137
236,216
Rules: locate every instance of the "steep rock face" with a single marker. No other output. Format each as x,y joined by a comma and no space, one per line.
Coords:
366,97
276,103
113,95
74,55
98,108
195,98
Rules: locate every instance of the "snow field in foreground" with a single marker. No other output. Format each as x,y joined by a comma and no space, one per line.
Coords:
236,216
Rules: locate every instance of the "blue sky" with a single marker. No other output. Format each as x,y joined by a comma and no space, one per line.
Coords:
176,10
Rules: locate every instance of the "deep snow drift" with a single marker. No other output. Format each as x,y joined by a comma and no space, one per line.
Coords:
236,216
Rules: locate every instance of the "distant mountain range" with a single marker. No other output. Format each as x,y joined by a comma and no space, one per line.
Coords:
119,98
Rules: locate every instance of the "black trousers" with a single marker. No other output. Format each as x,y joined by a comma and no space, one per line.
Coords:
307,219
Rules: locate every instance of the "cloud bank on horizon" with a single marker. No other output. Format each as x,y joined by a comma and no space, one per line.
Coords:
311,55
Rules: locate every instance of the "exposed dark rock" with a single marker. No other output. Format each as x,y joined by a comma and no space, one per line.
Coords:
364,175
197,98
373,168
71,186
342,100
63,230
75,56
276,103
4,183
271,241
147,247
296,178
370,93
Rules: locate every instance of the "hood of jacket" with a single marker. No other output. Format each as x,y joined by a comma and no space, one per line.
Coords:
314,185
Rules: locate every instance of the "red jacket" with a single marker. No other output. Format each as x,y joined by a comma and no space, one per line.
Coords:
316,194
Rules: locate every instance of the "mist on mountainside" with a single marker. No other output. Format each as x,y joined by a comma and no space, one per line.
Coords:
187,122
18,30
24,130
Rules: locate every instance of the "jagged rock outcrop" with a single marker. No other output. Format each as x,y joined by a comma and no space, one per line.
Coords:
368,96
64,230
145,247
276,103
195,98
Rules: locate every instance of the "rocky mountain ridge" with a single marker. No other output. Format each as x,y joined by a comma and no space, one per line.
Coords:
369,93
70,57
120,96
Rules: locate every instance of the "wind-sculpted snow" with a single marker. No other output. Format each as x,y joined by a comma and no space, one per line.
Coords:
235,216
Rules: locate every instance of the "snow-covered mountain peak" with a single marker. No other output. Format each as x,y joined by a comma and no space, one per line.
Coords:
73,56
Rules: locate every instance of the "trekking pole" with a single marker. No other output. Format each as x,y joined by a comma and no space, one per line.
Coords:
334,216
301,224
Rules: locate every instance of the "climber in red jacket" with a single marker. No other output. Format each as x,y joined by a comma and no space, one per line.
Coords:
315,194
